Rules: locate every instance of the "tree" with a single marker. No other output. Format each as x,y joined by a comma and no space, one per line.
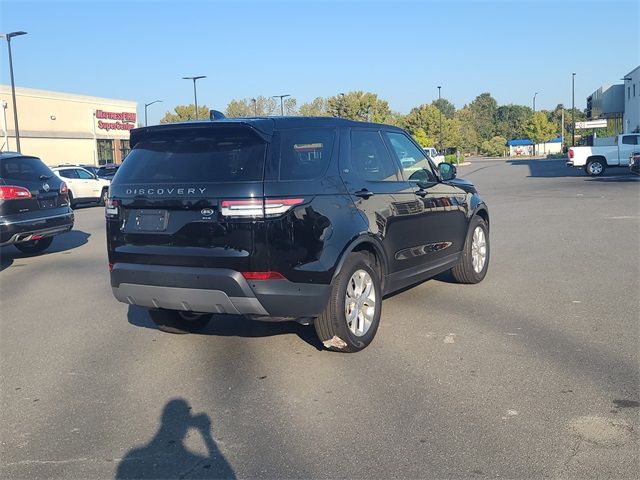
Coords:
511,120
445,106
263,107
316,108
359,105
468,136
484,109
423,139
494,147
540,129
182,113
426,118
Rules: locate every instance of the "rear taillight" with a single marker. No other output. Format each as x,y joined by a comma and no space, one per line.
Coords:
11,192
257,208
63,188
571,153
263,276
112,208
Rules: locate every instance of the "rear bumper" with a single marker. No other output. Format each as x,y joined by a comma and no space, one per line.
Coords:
570,163
17,231
215,290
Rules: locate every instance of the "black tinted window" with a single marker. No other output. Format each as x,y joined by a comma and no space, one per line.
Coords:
305,153
413,161
369,157
68,173
23,168
225,155
630,140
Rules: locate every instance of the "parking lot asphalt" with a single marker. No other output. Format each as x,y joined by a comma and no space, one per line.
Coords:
532,373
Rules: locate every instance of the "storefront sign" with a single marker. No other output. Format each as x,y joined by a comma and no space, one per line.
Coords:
125,120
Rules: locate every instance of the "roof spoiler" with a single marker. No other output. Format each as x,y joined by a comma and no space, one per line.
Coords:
216,115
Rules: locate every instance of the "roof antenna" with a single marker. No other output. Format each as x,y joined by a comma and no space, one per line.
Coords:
216,115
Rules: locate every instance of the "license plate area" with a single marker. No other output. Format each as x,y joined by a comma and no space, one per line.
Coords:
47,203
150,220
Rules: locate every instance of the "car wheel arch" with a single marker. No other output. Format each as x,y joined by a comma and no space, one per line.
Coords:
365,243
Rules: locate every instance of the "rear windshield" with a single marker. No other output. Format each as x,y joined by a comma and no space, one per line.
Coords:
225,155
23,168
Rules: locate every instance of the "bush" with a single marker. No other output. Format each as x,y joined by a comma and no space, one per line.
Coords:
452,158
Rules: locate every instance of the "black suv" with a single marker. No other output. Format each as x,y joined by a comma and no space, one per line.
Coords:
312,219
34,203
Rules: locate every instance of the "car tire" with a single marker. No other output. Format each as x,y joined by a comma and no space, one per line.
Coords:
104,197
71,204
34,246
175,321
355,291
474,263
595,168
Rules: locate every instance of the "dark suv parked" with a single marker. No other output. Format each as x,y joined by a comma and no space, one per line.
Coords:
34,203
313,219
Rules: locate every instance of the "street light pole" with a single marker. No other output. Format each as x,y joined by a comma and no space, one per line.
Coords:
534,102
573,109
9,36
281,97
195,93
440,109
145,110
255,106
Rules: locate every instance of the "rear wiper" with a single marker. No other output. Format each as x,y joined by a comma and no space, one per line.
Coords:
45,177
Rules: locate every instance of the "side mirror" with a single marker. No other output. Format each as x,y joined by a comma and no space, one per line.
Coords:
447,171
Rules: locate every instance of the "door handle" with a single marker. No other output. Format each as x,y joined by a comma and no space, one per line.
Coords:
422,193
363,193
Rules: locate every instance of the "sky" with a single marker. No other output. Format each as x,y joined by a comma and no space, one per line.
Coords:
140,49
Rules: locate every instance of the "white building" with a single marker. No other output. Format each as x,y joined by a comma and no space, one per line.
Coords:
632,101
67,128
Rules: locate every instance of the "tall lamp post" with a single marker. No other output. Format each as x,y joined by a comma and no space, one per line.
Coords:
255,106
9,36
281,103
145,110
440,109
534,102
573,109
195,93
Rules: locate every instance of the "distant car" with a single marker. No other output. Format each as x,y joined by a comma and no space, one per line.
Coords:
634,163
84,186
108,171
90,168
34,203
434,155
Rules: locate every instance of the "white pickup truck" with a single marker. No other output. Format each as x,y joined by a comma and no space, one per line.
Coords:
433,153
595,160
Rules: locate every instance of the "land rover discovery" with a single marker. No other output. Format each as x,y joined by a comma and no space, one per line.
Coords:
307,219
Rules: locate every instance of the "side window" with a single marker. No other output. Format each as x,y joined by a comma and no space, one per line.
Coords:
305,153
415,165
83,174
369,157
68,173
630,140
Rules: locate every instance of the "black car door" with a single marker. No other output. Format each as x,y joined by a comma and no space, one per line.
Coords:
388,201
442,223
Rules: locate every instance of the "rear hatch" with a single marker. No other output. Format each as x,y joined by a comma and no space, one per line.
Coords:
190,195
30,189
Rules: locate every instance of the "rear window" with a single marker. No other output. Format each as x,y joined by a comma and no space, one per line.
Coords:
23,168
305,153
225,155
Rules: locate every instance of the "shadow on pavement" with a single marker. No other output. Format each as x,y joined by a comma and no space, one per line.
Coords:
617,179
547,168
61,243
236,326
166,456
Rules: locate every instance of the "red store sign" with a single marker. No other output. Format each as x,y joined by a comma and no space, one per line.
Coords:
126,120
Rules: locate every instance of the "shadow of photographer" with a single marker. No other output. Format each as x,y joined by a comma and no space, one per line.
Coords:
166,455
